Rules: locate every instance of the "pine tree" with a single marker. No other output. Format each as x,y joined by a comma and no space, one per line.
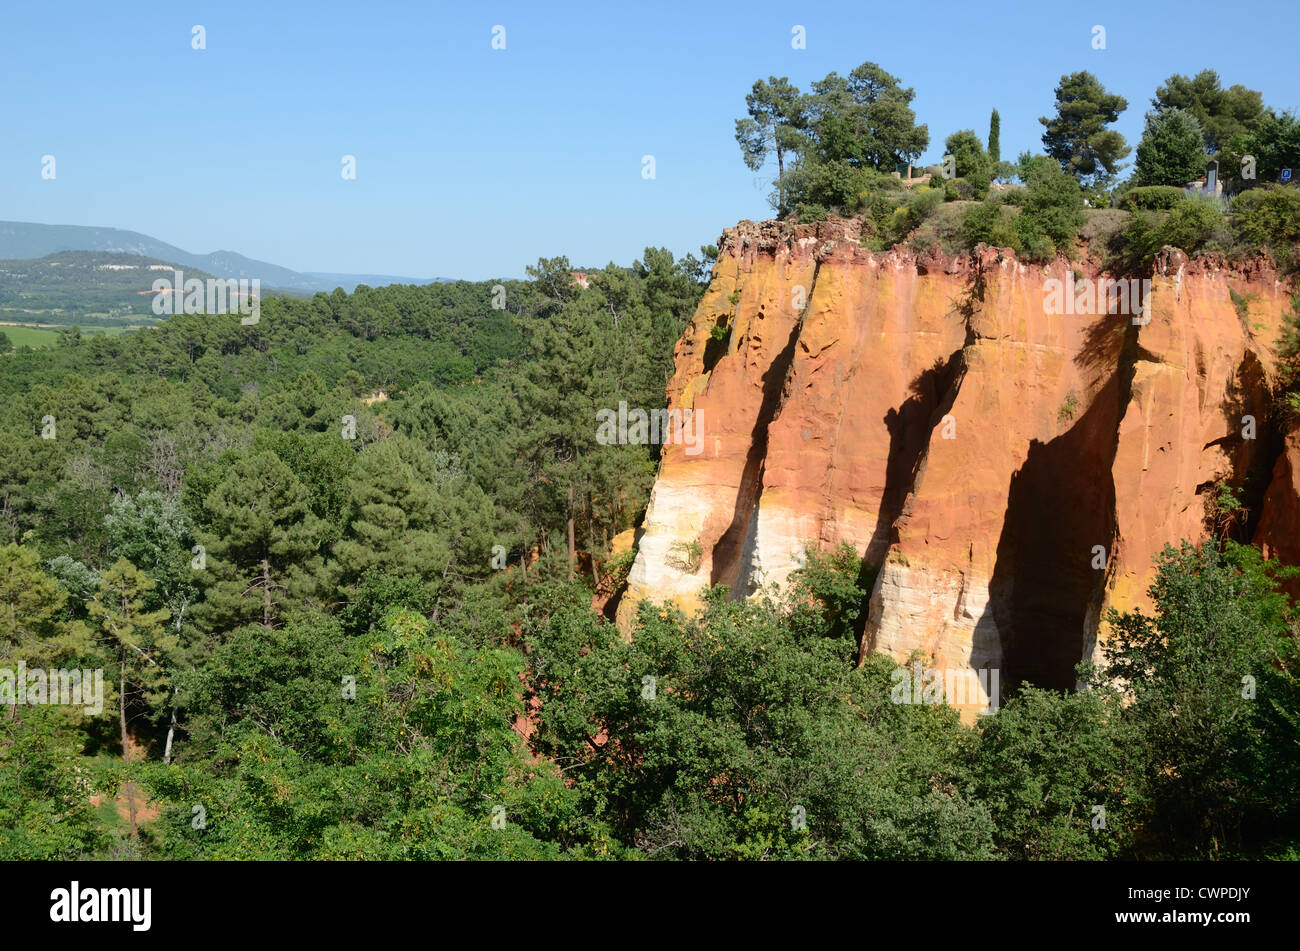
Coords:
261,543
134,638
1077,136
587,356
399,520
995,138
138,645
29,604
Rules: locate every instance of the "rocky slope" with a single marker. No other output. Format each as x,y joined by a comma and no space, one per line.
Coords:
1006,472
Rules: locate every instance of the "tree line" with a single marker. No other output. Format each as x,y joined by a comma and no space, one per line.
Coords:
834,143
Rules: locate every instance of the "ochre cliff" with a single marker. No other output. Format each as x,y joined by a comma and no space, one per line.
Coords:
1007,472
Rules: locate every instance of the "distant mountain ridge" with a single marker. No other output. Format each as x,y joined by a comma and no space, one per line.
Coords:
22,239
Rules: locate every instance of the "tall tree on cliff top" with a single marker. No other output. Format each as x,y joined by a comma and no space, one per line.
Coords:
1170,152
995,137
875,112
1222,113
1077,136
772,128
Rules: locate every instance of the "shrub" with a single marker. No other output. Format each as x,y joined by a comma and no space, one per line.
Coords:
1065,412
810,212
987,223
892,221
1221,767
1033,244
818,189
909,216
1288,362
1153,197
1269,217
1045,764
1193,225
1135,246
1053,211
968,153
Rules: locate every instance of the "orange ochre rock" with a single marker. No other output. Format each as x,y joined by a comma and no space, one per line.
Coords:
1009,465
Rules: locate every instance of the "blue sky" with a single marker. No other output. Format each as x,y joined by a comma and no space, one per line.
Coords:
473,162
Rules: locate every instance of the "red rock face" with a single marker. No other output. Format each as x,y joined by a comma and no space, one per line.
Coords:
1279,526
1009,468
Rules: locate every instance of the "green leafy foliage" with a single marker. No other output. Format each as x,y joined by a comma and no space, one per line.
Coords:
989,223
1220,113
1171,151
1213,689
1269,218
970,160
1193,225
1045,220
1153,197
829,142
739,735
1288,362
1077,137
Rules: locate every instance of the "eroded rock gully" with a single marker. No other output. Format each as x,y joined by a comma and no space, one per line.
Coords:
1010,473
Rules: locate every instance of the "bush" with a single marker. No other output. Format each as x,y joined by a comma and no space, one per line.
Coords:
1153,197
909,216
1136,245
1222,768
975,188
818,189
1288,362
1269,217
810,212
968,154
1046,762
1032,243
1195,224
1053,211
987,223
892,221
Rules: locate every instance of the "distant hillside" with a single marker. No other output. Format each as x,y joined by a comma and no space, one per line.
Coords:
89,288
23,240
